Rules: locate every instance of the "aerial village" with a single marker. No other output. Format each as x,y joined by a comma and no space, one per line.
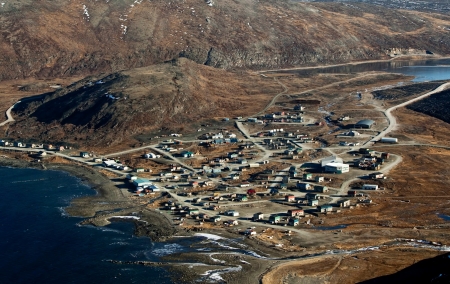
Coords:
271,170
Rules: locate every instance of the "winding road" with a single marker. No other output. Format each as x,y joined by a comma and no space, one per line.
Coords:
9,117
391,118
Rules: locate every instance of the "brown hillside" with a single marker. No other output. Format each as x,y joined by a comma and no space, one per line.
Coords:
65,38
171,96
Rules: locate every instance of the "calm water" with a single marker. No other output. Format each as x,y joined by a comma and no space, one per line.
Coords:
423,70
40,244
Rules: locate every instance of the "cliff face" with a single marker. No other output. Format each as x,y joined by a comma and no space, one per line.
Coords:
64,38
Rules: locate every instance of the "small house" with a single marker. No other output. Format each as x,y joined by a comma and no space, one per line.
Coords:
292,169
215,219
321,188
243,198
19,144
275,219
295,212
319,179
325,208
290,198
258,216
313,202
233,213
304,186
307,176
84,154
311,196
50,147
294,222
351,193
344,203
139,170
232,155
194,212
61,148
251,192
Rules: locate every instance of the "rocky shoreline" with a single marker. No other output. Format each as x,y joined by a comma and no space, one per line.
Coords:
108,202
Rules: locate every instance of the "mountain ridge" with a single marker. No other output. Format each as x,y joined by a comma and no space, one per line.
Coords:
57,39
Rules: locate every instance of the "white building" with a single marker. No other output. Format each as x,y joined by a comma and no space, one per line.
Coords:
331,159
338,168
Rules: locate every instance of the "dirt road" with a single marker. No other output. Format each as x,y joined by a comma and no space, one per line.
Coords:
391,118
9,117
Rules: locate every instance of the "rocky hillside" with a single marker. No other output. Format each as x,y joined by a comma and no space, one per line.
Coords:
109,109
64,38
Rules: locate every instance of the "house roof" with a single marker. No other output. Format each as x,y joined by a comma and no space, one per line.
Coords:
336,164
326,206
366,122
331,159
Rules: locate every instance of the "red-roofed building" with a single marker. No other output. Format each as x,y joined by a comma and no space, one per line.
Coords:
290,198
296,212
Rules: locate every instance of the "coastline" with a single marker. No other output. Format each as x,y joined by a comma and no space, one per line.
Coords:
106,203
233,259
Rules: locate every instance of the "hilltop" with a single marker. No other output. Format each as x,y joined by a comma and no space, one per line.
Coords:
49,39
108,109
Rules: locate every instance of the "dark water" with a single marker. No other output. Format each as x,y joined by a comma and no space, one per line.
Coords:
444,217
39,244
423,70
330,228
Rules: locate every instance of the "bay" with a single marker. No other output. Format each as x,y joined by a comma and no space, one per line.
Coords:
41,244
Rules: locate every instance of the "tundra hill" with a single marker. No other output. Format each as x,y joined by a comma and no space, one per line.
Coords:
109,109
49,39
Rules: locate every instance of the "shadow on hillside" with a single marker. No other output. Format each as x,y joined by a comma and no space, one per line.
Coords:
431,270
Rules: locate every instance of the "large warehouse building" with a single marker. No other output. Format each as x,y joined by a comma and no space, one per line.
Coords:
365,123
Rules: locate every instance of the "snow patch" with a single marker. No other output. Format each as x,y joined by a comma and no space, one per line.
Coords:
86,12
209,236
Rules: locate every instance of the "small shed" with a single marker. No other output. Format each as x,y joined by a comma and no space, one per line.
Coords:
344,203
325,208
321,188
319,179
233,213
304,186
193,212
311,196
307,176
258,216
275,219
84,154
215,219
294,222
313,202
290,198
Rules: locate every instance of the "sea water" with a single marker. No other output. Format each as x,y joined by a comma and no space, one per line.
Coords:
39,243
